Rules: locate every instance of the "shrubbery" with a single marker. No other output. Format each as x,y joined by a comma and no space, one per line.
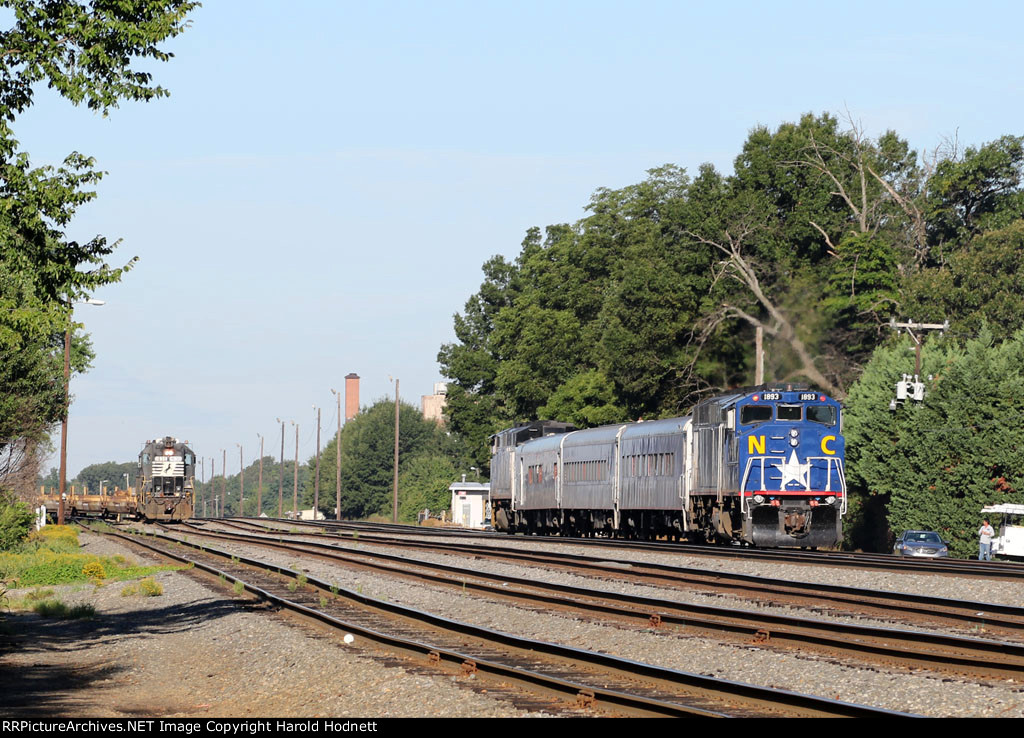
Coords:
15,521
50,556
933,465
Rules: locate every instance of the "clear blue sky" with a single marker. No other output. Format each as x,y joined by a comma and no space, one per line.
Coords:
318,193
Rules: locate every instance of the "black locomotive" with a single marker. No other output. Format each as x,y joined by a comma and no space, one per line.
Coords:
166,480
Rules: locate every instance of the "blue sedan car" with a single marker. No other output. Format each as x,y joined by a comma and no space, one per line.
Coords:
923,543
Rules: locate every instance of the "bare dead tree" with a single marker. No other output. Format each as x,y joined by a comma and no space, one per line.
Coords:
869,208
20,463
737,266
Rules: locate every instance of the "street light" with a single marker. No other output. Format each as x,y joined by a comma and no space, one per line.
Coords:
316,477
259,486
280,488
67,407
295,490
337,463
241,489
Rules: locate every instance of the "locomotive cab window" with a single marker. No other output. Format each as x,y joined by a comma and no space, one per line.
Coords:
824,414
789,412
755,414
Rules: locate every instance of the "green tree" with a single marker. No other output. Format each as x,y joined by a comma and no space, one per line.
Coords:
819,238
423,484
586,400
93,475
88,53
977,191
935,464
367,457
981,282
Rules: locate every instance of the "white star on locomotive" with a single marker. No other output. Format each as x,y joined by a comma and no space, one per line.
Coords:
793,471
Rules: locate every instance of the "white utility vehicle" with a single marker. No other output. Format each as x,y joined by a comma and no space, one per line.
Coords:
1009,525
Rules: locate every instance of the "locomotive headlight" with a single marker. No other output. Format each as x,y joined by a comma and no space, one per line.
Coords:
794,437
830,500
759,499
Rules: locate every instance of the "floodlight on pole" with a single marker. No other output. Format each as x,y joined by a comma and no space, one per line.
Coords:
337,470
67,405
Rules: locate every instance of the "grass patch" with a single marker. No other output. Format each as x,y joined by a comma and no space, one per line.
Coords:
147,587
56,609
48,568
52,556
56,538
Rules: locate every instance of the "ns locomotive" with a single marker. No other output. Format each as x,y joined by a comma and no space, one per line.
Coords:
762,466
166,480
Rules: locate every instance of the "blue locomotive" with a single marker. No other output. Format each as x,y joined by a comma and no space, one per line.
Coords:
762,466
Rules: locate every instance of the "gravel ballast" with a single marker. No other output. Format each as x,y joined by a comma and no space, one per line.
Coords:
918,692
196,650
206,652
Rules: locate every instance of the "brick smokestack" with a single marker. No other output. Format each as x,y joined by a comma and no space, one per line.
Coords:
351,395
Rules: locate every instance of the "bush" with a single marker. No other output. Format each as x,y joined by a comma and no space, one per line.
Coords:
57,609
58,538
149,587
94,570
16,521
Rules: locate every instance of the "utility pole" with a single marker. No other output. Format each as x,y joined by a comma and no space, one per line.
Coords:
67,409
224,483
259,488
280,488
337,465
213,475
394,508
316,480
295,491
202,463
914,389
759,362
241,489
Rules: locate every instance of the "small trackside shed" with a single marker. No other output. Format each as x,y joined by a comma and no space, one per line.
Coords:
471,504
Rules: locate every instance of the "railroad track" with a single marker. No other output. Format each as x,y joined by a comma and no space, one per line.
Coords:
973,657
593,680
1005,621
999,570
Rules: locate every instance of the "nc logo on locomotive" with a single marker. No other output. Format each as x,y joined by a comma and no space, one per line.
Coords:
757,444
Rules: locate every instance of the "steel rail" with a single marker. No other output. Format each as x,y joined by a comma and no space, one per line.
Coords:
957,654
586,675
966,613
1006,570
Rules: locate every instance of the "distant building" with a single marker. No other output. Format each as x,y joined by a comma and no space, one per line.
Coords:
433,405
470,503
351,395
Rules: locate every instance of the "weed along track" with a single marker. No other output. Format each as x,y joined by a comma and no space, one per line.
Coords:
579,678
